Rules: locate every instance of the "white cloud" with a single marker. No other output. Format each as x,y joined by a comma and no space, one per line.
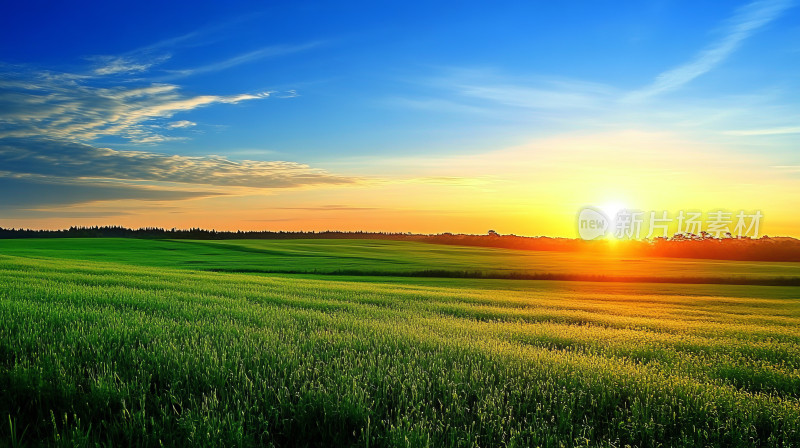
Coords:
540,93
143,58
767,131
84,106
72,108
788,168
266,52
181,124
742,25
114,65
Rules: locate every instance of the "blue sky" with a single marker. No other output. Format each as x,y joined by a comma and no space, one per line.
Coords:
323,95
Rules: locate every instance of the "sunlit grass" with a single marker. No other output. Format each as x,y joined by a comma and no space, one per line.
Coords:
376,257
130,355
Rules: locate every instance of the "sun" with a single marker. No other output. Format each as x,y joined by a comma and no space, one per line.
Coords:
610,209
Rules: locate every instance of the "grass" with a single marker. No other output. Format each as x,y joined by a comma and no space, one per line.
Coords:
123,344
399,258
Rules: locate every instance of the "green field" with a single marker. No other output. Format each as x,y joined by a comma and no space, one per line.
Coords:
149,343
376,257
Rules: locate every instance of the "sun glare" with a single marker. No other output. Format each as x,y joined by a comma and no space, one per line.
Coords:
610,209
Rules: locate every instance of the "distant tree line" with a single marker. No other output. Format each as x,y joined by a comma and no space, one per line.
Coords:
761,249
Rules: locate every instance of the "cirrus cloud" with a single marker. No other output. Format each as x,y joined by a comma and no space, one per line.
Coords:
181,124
747,21
55,159
50,119
77,108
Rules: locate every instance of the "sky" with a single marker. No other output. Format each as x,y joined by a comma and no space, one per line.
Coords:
396,116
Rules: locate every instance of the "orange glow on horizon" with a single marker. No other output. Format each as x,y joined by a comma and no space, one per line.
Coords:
534,189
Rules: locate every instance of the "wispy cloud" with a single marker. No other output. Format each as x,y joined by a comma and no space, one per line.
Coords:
202,36
48,118
143,58
262,53
788,168
460,181
105,99
487,88
766,131
64,160
115,65
745,22
329,208
529,97
60,213
181,124
498,98
547,104
31,192
437,105
39,103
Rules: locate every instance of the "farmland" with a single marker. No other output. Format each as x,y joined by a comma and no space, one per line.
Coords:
253,343
376,257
